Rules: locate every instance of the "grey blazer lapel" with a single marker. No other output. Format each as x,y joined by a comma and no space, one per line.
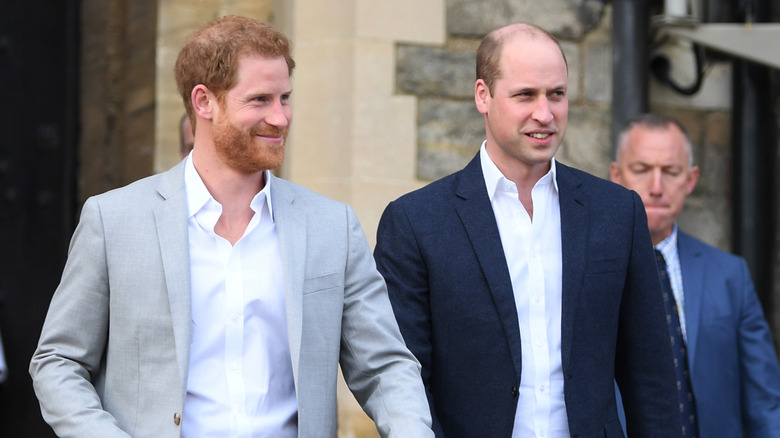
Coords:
290,224
171,221
693,277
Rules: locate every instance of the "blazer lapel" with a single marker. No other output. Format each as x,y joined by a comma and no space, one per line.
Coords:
693,278
171,221
574,238
291,228
477,216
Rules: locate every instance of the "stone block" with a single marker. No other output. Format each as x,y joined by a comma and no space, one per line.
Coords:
597,75
586,144
566,19
718,130
572,53
450,133
421,21
708,219
433,71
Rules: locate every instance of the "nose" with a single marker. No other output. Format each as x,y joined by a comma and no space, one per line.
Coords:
656,183
278,114
542,112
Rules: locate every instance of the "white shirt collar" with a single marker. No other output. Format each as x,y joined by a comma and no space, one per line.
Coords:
199,196
494,178
668,246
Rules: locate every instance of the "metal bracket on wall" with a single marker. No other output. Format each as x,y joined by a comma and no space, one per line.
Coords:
755,42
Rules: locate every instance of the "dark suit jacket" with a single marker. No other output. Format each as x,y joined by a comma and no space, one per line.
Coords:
441,254
735,373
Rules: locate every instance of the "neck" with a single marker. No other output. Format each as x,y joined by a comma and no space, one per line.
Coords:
233,190
525,178
659,237
525,175
227,185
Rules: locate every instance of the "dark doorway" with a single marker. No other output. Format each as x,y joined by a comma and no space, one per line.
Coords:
38,149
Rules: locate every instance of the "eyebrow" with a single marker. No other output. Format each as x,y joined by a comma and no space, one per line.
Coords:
521,89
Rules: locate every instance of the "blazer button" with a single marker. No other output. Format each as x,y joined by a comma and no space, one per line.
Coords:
514,391
176,418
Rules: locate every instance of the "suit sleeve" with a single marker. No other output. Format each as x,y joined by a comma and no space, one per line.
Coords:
644,367
760,372
381,372
74,336
399,260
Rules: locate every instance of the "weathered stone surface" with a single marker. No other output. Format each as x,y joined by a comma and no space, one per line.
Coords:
586,143
117,100
433,71
598,71
572,53
450,132
708,219
567,19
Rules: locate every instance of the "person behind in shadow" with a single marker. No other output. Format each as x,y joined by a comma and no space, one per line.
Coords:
216,299
730,360
524,286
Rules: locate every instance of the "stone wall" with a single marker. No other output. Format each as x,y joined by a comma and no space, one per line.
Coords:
117,93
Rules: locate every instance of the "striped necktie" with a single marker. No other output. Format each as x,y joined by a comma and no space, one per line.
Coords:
684,392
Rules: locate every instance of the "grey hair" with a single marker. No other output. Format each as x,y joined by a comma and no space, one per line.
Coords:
653,121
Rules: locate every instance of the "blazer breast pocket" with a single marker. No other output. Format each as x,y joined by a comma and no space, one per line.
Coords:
604,266
323,282
604,282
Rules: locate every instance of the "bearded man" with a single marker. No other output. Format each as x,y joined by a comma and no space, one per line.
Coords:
216,299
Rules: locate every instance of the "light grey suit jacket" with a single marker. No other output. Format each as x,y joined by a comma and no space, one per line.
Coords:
113,355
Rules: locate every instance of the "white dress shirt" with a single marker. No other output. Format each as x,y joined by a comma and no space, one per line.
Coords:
240,374
533,256
668,248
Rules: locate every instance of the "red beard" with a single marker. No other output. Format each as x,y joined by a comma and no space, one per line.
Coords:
246,152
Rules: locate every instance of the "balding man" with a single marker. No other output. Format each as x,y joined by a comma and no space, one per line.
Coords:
729,375
523,286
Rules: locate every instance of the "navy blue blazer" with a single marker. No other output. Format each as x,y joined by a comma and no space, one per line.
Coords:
440,252
735,373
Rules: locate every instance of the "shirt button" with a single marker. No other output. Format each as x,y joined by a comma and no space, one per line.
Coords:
176,418
541,388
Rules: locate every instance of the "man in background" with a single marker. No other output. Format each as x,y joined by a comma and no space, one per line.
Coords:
728,356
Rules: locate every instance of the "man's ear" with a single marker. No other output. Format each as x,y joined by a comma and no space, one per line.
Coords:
204,102
614,172
481,96
693,177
